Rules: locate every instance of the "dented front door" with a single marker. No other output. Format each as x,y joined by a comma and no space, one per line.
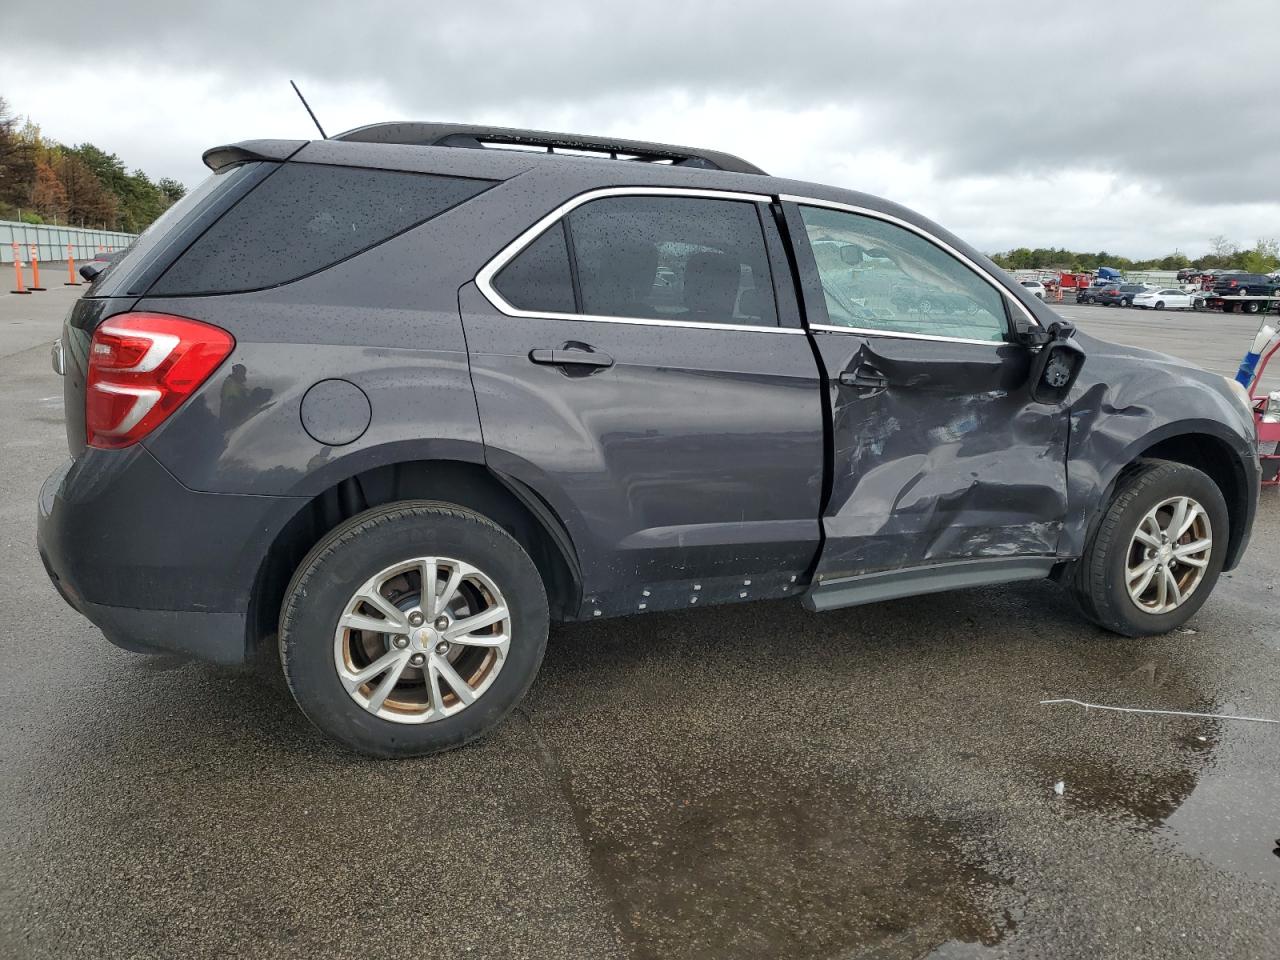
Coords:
938,452
938,455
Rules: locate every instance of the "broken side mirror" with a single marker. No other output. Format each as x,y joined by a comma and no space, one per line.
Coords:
1056,364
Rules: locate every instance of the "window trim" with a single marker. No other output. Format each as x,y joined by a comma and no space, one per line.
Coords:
1000,288
484,278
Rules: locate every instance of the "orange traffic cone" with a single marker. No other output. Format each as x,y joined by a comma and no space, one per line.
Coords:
71,268
35,267
17,271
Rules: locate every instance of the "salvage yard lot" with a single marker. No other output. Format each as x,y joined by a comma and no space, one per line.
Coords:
751,781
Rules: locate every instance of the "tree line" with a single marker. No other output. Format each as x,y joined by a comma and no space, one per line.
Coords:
43,181
1223,254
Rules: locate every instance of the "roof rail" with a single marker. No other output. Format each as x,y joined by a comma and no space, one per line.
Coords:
479,137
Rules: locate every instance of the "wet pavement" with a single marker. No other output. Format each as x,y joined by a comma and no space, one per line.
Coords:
752,781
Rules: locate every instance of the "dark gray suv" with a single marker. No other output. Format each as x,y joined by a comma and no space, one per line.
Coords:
398,399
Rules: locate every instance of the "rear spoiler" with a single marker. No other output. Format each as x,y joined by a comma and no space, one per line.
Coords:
215,158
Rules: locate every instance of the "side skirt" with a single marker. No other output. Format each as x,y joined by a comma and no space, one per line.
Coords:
934,578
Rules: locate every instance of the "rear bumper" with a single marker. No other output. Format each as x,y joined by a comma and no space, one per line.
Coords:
154,565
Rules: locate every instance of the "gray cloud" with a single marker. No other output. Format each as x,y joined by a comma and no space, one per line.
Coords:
980,88
1179,102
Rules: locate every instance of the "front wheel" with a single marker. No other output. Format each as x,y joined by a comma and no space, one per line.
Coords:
412,628
1157,551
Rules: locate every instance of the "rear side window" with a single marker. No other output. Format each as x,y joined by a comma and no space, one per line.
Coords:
306,217
673,258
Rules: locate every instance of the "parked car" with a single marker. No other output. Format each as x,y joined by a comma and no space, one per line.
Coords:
1187,273
391,403
1170,298
1091,293
1034,287
1120,295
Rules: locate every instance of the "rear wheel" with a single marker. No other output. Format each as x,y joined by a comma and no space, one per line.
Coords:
1249,306
1157,552
412,628
1159,304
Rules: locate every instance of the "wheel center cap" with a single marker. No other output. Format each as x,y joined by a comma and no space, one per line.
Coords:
424,637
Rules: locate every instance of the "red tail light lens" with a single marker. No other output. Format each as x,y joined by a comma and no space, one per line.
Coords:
142,366
1233,283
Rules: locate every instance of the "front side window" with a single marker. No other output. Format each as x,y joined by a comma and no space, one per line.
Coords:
879,276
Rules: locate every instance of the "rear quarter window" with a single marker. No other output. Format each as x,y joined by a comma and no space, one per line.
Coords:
540,279
305,217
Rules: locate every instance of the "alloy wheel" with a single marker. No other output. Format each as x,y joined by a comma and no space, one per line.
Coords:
422,639
1168,555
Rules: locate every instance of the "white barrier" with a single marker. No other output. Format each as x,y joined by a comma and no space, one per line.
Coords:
52,241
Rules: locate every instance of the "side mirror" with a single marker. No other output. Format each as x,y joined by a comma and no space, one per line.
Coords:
90,272
1030,335
1057,364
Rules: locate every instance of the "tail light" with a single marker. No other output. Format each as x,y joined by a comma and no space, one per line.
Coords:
142,366
1233,283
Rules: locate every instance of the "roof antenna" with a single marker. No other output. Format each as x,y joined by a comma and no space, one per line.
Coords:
323,135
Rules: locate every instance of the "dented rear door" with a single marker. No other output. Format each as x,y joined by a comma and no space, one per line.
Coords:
938,452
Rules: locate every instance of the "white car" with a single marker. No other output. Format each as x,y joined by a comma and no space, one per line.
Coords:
1034,287
1168,298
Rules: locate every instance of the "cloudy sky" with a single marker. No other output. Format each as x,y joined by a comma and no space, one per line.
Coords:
1132,126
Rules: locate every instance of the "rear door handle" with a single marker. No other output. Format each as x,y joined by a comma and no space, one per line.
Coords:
571,358
864,377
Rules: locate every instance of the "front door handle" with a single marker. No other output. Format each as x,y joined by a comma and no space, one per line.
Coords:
571,358
864,377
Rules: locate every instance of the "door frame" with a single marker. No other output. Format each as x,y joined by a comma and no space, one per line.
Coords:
485,276
922,578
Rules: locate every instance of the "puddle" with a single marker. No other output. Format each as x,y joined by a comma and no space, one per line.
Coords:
1231,819
745,858
1205,796
1107,789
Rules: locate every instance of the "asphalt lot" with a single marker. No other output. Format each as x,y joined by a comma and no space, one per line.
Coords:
753,781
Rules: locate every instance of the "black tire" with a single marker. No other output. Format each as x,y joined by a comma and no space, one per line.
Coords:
1098,582
356,550
1159,304
1249,306
1228,308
